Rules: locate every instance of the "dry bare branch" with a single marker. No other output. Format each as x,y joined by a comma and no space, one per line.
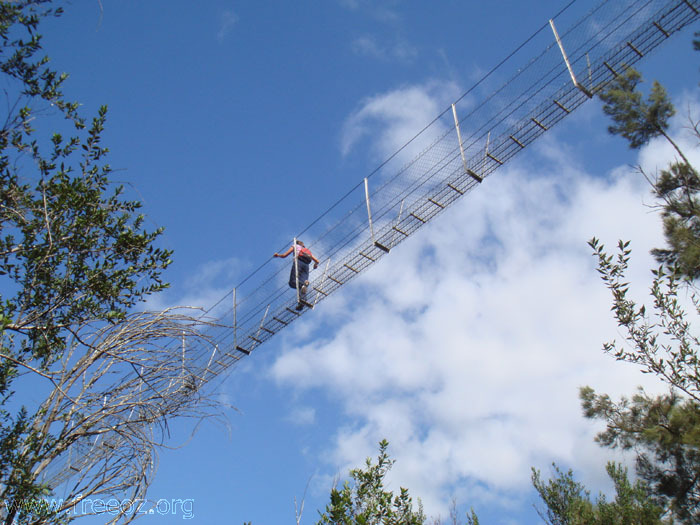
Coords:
111,398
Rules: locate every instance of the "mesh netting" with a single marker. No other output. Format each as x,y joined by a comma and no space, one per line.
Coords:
524,96
501,115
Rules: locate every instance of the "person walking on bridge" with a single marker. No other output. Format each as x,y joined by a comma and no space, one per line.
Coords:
299,275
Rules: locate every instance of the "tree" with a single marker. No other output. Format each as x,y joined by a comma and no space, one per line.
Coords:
676,187
569,503
661,342
665,432
662,430
635,119
75,259
365,501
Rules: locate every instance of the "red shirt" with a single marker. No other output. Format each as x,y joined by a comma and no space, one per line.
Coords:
302,251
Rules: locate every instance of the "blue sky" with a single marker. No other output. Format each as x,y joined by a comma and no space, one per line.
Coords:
234,122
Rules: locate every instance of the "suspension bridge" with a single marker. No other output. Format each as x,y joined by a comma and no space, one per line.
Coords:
563,64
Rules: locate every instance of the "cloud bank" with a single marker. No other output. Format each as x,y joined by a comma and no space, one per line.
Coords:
466,347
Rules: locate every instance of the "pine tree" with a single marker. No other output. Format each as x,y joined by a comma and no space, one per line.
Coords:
675,188
363,500
567,502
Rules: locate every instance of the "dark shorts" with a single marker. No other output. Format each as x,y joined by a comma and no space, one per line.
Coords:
303,273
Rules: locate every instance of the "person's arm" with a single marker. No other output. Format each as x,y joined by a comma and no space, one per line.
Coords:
283,255
315,260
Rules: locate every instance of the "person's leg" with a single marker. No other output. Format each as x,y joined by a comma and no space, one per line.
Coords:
293,277
303,279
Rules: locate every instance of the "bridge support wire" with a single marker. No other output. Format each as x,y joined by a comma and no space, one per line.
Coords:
605,41
429,175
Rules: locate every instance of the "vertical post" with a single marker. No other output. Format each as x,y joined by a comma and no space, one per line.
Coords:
323,280
369,216
235,324
459,139
262,322
488,140
398,220
590,72
208,368
566,61
461,147
296,268
369,211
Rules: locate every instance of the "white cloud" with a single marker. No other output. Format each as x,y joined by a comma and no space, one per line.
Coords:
350,4
384,11
205,287
227,21
392,119
466,347
469,360
303,416
400,50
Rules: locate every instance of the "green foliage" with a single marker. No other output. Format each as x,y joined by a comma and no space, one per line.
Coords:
665,433
675,188
661,342
364,501
635,119
567,502
472,518
19,43
75,249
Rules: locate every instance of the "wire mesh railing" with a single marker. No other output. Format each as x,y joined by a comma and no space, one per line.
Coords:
482,130
563,64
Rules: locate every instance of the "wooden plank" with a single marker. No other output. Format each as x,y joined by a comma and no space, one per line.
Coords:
629,44
400,231
663,31
381,247
494,159
539,123
455,188
474,175
562,106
